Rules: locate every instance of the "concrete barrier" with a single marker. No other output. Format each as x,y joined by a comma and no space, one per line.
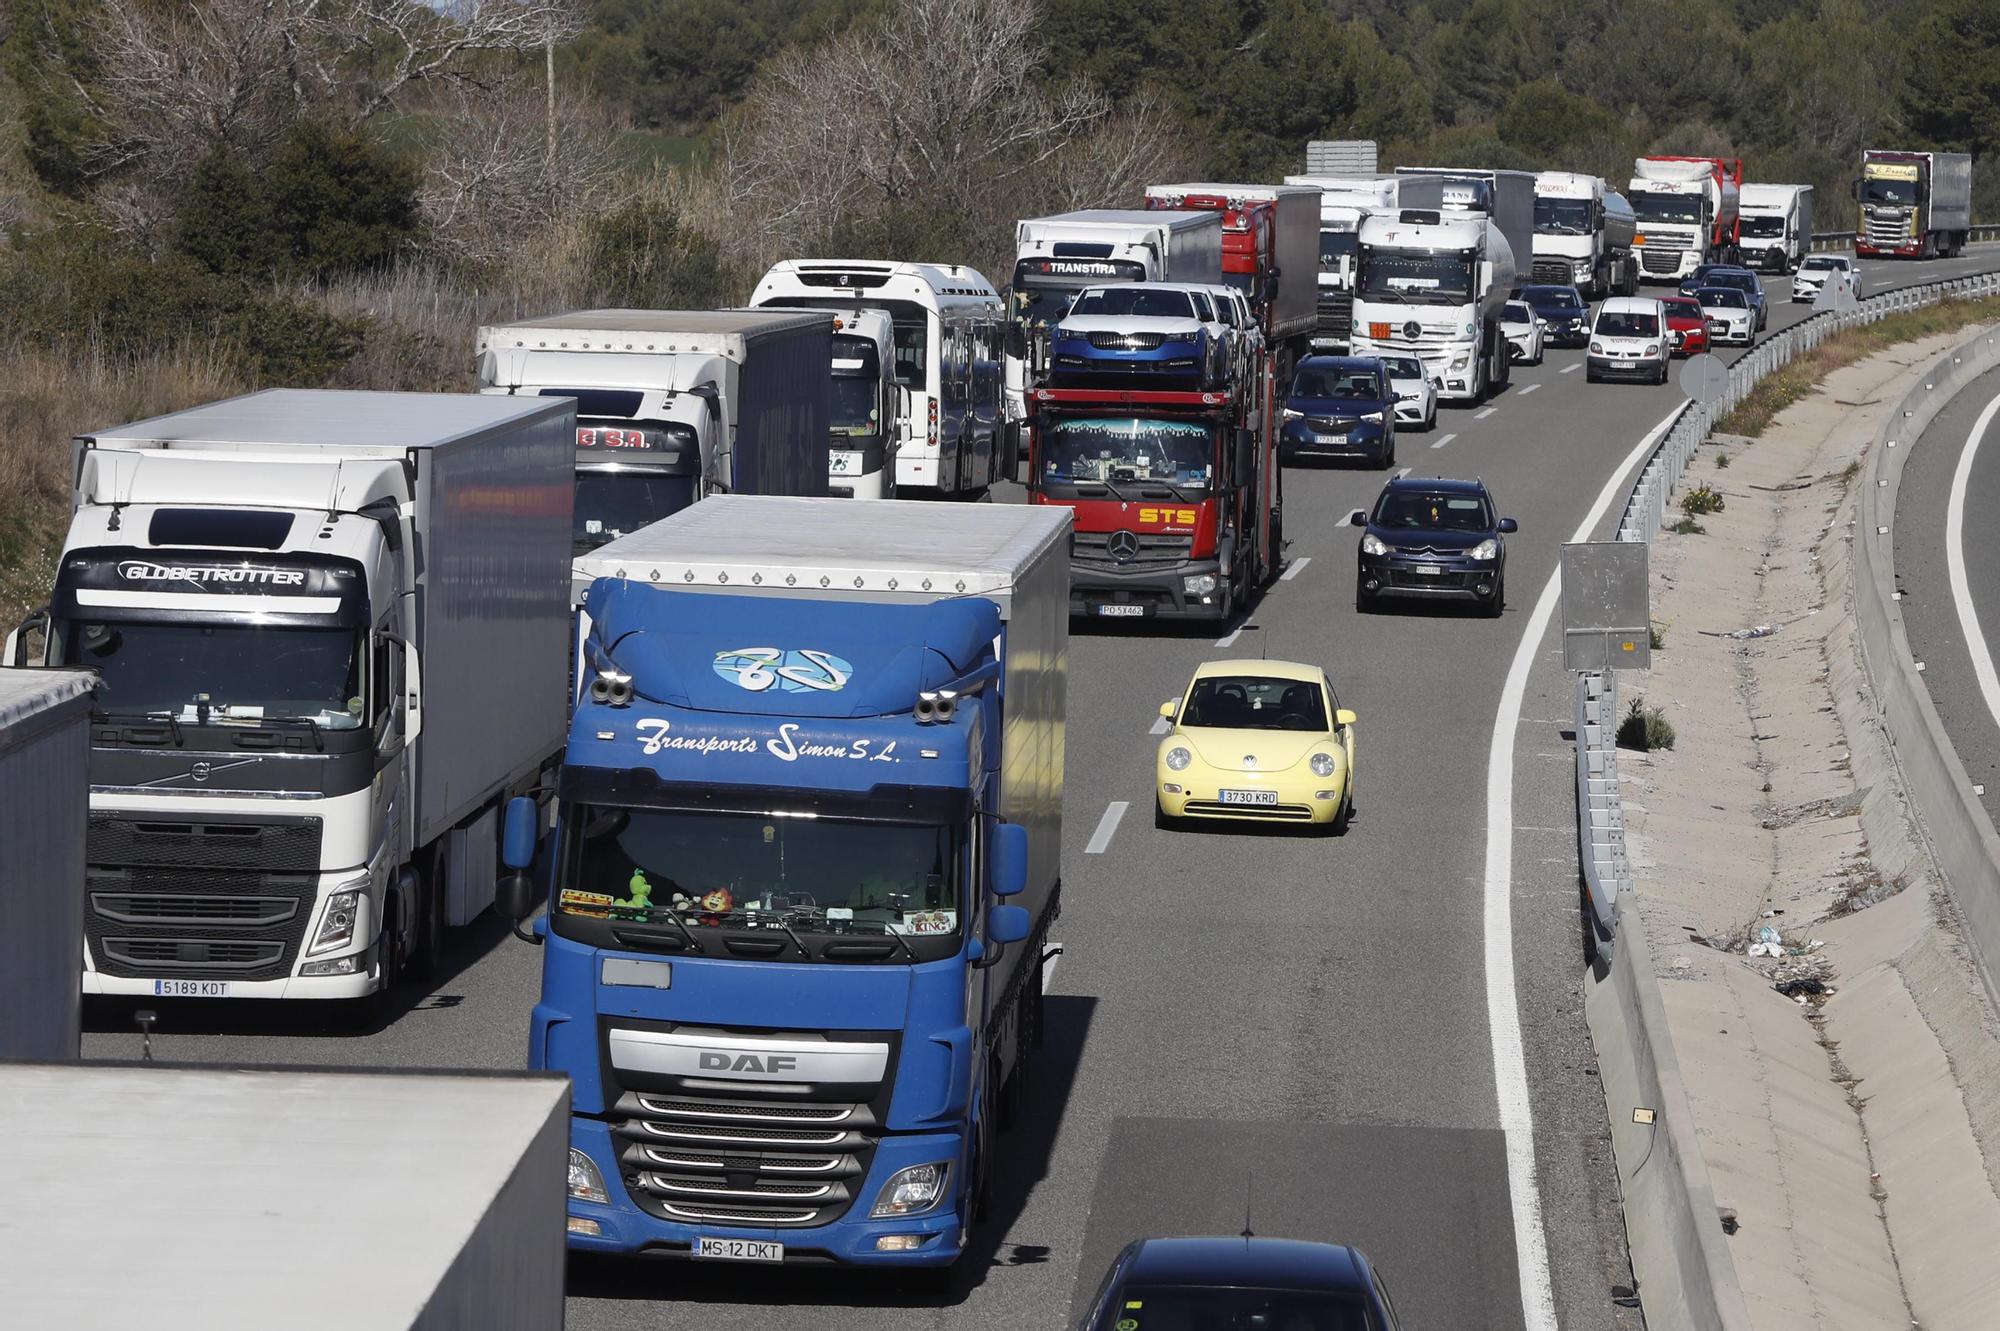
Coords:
1680,1257
1960,835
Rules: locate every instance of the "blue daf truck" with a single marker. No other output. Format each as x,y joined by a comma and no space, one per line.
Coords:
803,869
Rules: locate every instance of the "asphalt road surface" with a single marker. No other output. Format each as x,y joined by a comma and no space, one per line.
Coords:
1943,622
1245,1022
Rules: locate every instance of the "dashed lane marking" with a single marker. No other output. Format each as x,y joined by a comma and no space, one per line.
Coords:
1484,414
1107,827
1402,473
1572,369
1442,442
1160,726
1297,567
1529,389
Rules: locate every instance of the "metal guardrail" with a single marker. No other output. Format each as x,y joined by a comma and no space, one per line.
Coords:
1600,813
1844,240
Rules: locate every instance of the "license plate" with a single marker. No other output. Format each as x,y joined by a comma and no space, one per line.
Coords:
1428,570
1122,611
191,988
1249,797
1331,438
739,1250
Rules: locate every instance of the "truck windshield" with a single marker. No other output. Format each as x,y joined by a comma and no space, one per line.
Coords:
1095,451
613,501
1675,209
1562,217
1763,228
1418,276
857,381
760,871
1335,246
912,323
1881,190
228,673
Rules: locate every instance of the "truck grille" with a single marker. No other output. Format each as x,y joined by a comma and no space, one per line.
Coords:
216,898
1888,231
1659,259
1336,313
758,1162
1146,550
1556,272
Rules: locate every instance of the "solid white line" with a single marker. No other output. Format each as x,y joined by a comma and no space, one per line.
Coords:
1954,551
1529,389
1503,1004
1442,442
1572,369
1484,414
1160,726
1229,639
1107,826
1298,566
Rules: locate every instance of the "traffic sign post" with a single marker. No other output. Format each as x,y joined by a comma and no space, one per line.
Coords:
1606,606
1704,378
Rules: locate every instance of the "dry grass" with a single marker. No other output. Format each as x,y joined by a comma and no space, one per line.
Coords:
45,401
1793,382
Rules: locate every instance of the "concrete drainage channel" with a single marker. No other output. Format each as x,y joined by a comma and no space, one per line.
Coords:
1680,1258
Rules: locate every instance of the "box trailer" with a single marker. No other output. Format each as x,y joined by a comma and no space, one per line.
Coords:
44,799
190,1198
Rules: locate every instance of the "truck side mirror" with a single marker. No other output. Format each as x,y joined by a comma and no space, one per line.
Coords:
519,833
1854,190
1008,858
1007,924
16,653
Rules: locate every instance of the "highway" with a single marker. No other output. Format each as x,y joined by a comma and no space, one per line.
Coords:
1954,621
1300,1028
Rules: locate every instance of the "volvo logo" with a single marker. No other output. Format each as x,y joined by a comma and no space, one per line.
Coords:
1412,330
1123,546
200,771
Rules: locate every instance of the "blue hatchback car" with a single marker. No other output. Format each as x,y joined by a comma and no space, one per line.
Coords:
1246,1282
1340,407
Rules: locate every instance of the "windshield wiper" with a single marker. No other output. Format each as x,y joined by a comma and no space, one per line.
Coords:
153,718
1120,494
319,740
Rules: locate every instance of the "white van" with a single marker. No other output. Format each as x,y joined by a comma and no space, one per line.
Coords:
1629,340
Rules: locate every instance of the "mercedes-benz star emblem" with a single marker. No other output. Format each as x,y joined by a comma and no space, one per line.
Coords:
1123,545
1412,330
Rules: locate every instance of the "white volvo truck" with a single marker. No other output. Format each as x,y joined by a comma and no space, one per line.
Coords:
1431,285
330,636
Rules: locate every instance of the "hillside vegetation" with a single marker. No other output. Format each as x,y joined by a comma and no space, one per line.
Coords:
206,196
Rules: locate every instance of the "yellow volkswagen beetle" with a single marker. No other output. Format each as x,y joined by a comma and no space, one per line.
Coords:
1261,741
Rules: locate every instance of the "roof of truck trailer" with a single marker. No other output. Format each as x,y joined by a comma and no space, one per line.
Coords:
1124,217
663,321
879,544
332,418
235,1184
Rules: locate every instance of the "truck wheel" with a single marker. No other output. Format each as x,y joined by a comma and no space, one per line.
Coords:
379,1008
426,957
976,1206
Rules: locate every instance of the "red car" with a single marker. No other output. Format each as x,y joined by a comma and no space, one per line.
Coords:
1687,323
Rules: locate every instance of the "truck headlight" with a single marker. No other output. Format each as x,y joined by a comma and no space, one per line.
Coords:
336,923
1178,759
1371,544
585,1183
1322,764
1486,549
911,1191
1198,584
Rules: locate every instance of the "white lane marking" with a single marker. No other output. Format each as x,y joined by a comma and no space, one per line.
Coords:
1401,474
1503,1004
1442,442
1160,726
1572,369
1484,414
1954,552
1529,389
1298,566
1229,639
1107,827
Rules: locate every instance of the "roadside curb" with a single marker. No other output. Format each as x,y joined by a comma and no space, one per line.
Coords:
1958,833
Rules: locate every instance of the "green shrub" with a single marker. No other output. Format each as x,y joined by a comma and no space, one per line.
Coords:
1645,728
1686,527
1722,460
1702,499
639,255
329,201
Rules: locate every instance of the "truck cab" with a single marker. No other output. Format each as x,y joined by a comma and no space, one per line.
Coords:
1687,211
1432,284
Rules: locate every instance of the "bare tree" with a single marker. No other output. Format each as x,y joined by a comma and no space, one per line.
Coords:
937,106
